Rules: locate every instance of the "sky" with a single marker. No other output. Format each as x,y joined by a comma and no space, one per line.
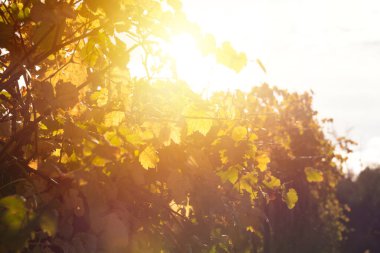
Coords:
331,47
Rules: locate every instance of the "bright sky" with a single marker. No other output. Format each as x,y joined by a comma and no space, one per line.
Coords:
329,46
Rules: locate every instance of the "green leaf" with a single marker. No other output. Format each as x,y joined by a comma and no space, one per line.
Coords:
149,157
313,175
239,133
291,198
48,223
230,174
114,118
12,212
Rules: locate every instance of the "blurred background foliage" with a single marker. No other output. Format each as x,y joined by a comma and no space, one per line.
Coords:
93,159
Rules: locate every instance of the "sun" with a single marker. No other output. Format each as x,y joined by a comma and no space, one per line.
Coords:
203,73
189,64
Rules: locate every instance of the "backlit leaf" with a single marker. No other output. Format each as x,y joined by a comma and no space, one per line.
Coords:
114,118
291,198
239,133
262,161
100,96
13,212
313,175
272,182
149,157
230,174
198,121
113,138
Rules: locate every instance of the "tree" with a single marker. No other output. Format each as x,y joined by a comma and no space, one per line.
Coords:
361,196
94,160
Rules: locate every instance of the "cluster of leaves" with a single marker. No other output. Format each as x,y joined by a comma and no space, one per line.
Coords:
304,158
93,160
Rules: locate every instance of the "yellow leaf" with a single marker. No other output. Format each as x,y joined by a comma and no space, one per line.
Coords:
99,161
198,121
223,156
272,182
291,198
253,137
175,135
113,138
149,157
114,118
101,97
228,56
239,133
262,161
313,175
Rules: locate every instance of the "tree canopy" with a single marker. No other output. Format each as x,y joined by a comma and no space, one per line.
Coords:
93,159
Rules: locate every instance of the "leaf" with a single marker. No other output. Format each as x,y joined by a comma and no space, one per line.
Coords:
261,65
313,175
113,138
262,161
114,118
12,212
101,97
228,56
73,132
239,133
198,121
272,182
291,198
149,158
43,94
66,94
223,156
230,174
175,134
48,223
99,161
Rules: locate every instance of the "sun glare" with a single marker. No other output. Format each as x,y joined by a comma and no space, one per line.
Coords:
189,63
202,73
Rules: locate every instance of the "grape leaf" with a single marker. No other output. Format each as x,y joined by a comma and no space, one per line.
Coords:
313,175
198,121
231,174
149,157
262,161
291,198
272,182
114,118
239,133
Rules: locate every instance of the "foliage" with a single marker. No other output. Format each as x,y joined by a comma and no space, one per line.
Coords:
303,158
94,160
361,195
